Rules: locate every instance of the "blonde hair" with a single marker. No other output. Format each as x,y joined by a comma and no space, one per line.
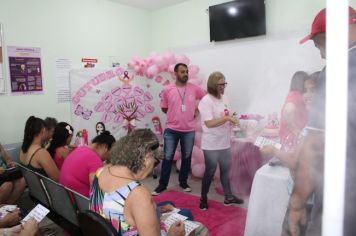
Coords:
212,85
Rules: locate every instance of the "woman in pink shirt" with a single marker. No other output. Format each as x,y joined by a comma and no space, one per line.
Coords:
59,148
78,169
216,119
294,113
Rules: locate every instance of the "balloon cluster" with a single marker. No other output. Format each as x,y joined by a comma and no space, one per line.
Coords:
155,63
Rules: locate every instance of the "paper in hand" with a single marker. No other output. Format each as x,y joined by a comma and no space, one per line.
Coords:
175,210
4,210
188,225
262,141
173,218
38,213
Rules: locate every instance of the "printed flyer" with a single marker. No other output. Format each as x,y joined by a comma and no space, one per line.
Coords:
25,70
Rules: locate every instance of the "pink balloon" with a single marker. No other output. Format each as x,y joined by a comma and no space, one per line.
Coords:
171,68
149,61
136,59
173,75
182,59
177,155
131,64
178,164
158,79
160,62
152,71
193,70
194,161
137,69
143,64
169,58
197,140
198,170
198,154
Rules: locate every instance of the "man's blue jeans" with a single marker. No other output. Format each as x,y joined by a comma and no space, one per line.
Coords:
171,139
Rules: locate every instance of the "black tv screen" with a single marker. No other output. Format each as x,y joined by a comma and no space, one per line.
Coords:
237,19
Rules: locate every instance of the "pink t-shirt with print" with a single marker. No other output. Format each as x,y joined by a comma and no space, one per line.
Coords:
76,168
217,138
181,118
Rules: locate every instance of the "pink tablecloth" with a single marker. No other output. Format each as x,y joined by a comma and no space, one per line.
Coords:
246,160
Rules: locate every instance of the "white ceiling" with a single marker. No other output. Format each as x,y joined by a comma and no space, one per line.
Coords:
149,4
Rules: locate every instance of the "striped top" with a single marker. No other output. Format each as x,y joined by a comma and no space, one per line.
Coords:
111,205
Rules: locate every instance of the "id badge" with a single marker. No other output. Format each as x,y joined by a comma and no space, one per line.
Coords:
182,107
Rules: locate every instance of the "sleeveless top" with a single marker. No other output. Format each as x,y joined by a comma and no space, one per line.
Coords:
38,170
58,159
111,205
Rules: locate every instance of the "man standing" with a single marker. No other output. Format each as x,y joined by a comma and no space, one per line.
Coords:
309,174
179,102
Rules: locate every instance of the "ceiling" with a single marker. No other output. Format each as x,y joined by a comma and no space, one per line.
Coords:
149,4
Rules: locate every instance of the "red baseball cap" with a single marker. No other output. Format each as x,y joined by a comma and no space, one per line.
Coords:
319,23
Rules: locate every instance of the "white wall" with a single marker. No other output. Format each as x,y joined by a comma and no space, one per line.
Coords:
257,69
101,28
187,23
71,29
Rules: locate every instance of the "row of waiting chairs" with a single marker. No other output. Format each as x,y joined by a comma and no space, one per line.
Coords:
66,203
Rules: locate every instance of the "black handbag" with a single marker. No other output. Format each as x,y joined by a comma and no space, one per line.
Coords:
10,174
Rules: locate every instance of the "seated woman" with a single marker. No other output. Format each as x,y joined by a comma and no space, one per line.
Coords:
294,113
50,125
32,155
59,146
117,194
12,184
78,169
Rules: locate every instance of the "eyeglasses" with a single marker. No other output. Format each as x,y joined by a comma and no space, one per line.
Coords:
222,84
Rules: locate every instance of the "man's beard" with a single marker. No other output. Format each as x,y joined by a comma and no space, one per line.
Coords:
183,80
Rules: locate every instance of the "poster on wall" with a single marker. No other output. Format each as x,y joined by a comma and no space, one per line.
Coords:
25,70
89,62
115,98
2,71
62,69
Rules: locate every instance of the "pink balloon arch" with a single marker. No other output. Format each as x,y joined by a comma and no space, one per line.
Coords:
152,66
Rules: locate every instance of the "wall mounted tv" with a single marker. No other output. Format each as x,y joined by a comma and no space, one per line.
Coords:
237,19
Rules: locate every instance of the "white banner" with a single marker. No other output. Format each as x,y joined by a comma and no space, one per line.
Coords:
116,97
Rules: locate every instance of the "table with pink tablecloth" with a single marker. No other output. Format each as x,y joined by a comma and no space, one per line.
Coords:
245,161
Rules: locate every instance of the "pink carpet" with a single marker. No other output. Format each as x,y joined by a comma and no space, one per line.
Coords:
219,219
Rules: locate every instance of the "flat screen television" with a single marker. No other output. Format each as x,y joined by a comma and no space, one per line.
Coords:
237,19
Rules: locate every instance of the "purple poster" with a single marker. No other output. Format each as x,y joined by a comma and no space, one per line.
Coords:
25,70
